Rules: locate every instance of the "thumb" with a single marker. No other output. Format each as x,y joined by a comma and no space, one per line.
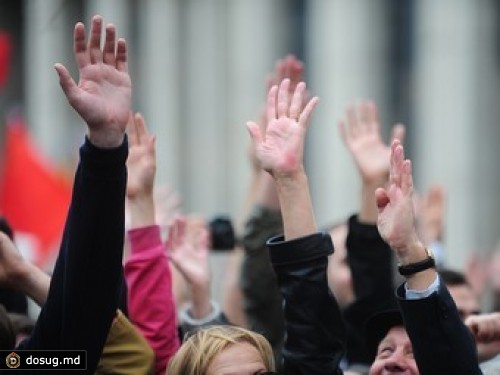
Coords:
67,83
398,132
381,198
255,132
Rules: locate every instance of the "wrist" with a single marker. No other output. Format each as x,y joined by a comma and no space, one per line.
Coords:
106,138
200,301
374,182
285,181
142,211
411,253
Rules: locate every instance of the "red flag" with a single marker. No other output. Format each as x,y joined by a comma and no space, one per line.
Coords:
33,197
5,50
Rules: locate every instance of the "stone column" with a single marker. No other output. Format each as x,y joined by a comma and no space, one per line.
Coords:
47,40
456,118
347,54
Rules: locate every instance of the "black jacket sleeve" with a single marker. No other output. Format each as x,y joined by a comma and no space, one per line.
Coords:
314,330
262,301
370,260
85,286
441,342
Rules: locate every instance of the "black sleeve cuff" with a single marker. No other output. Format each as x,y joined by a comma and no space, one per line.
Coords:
102,161
368,231
299,250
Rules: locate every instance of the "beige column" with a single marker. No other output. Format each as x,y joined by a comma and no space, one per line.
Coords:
348,61
157,84
116,12
252,50
47,40
456,118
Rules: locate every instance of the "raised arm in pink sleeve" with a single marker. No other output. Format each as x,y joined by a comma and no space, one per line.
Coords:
150,299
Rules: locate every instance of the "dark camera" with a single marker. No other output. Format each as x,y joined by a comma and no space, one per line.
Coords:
222,233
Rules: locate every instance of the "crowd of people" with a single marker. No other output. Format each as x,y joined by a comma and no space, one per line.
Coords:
369,295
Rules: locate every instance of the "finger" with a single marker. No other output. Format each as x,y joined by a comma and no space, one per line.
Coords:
381,198
398,132
181,229
121,55
398,166
306,113
283,98
395,156
109,45
132,131
296,73
352,122
94,46
203,238
269,82
271,103
343,131
364,114
407,177
255,133
140,124
67,83
80,46
288,66
372,121
296,105
151,143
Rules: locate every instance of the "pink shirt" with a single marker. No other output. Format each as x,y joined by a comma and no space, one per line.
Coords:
150,299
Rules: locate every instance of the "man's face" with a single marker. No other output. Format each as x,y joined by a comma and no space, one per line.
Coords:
395,355
465,299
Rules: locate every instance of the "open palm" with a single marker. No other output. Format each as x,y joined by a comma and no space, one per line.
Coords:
103,94
361,135
279,147
396,217
141,161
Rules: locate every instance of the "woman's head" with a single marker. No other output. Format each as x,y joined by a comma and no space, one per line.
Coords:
220,349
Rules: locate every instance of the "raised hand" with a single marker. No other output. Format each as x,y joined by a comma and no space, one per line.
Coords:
103,94
13,266
485,327
279,147
361,135
168,204
396,217
141,162
431,215
289,67
188,245
19,274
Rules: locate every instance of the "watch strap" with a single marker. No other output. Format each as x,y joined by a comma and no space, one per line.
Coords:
412,268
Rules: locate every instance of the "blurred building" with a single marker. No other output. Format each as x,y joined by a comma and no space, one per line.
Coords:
199,68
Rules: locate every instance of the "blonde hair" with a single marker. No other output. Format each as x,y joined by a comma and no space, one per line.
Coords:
197,351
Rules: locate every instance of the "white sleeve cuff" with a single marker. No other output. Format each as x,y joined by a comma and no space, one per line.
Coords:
186,318
419,294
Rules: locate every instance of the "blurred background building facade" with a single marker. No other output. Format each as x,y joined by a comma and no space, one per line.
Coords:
199,67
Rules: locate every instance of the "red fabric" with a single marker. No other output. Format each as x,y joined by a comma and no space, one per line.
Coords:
33,198
5,51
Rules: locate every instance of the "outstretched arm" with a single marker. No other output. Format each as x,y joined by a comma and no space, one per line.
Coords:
361,135
18,274
262,298
84,289
147,270
369,257
314,332
430,315
280,152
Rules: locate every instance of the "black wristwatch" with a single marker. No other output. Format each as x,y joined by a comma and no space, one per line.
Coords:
412,268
